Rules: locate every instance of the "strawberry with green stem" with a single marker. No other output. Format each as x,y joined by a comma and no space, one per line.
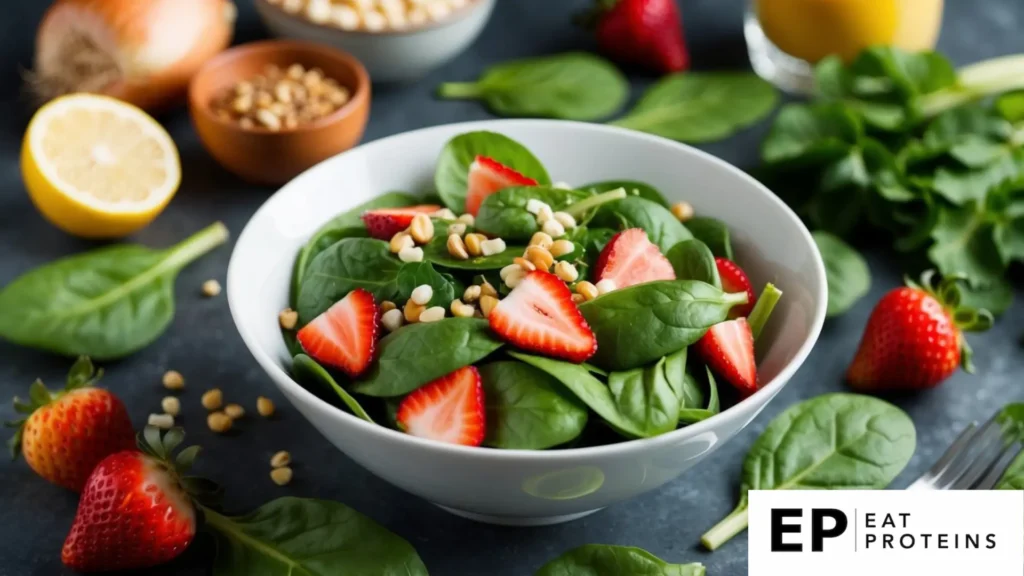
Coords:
646,33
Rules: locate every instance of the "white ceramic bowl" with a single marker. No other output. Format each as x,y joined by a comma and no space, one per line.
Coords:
517,486
390,56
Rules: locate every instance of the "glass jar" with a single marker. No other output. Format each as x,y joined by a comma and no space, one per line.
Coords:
786,38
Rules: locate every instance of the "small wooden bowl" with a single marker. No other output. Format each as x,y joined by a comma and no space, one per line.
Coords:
275,157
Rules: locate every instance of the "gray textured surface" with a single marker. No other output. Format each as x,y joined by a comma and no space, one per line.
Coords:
203,344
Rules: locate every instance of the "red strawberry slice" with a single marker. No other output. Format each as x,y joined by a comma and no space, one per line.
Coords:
345,335
539,316
487,176
384,223
630,258
449,409
734,279
728,349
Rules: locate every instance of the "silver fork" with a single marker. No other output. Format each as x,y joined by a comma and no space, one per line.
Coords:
976,460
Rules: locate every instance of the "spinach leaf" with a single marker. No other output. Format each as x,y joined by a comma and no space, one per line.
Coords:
608,560
452,175
701,106
307,370
645,397
832,442
415,274
1011,106
106,303
573,86
419,353
966,242
436,252
527,409
504,214
712,232
686,389
811,134
1013,478
632,187
664,229
637,325
692,415
308,537
693,260
846,272
348,264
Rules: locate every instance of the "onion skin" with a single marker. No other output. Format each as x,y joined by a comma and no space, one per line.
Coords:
158,45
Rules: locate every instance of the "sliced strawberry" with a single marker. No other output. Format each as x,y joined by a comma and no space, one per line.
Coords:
487,176
728,349
734,279
539,316
384,223
345,335
630,258
449,409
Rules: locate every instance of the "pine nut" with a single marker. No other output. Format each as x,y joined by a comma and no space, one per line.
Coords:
456,247
682,210
281,459
474,242
281,476
540,257
400,241
345,17
565,219
587,290
492,246
554,228
486,289
173,380
523,263
211,288
561,186
534,206
412,312
504,272
461,310
444,214
467,219
392,320
422,294
432,314
566,272
605,286
411,255
162,421
374,21
544,214
386,306
515,277
562,247
421,229
318,11
472,293
269,120
457,229
288,318
234,411
219,422
212,399
578,298
265,406
487,303
541,239
171,405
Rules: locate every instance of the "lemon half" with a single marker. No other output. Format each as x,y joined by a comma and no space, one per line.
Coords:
97,167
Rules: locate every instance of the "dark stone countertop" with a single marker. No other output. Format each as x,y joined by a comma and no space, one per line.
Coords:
203,344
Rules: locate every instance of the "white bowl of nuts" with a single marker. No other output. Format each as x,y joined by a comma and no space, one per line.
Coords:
397,40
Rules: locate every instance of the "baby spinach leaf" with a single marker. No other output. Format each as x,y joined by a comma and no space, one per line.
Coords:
714,233
1013,478
451,177
645,397
692,415
632,187
527,409
106,303
661,226
504,214
686,389
308,537
637,325
307,370
418,353
846,272
415,274
965,243
1011,106
832,442
348,264
573,86
693,260
701,106
811,134
608,560
436,252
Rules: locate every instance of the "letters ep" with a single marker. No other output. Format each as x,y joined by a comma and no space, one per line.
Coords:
782,524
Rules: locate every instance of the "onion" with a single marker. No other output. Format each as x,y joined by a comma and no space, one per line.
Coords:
141,51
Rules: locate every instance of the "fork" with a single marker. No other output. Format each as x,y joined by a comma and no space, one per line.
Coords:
976,460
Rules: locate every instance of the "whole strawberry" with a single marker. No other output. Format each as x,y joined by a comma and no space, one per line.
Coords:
67,433
135,512
914,338
646,33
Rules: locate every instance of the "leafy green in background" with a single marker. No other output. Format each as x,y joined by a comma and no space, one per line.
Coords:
846,272
608,560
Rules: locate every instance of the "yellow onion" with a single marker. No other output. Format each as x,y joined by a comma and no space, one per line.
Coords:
141,51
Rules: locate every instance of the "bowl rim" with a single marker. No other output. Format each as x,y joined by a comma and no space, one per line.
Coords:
459,14
283,379
360,92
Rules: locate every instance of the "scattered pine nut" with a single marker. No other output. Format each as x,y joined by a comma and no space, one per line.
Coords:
605,286
288,318
472,293
400,241
171,405
587,290
534,206
492,246
682,210
566,272
578,298
392,320
456,247
265,406
565,219
474,242
212,399
411,255
553,228
422,229
458,229
412,312
281,459
504,272
562,247
524,263
487,303
561,186
515,277
162,421
460,310
540,257
281,476
234,411
211,288
219,422
541,239
486,289
544,215
444,214
173,380
422,294
432,314
467,219
387,306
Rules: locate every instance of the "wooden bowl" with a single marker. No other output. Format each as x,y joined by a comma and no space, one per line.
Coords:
274,157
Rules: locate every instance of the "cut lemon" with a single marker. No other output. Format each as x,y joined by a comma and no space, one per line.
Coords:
97,167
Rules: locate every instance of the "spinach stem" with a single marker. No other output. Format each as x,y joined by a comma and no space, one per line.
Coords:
580,208
196,245
230,529
460,90
977,81
722,532
763,309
